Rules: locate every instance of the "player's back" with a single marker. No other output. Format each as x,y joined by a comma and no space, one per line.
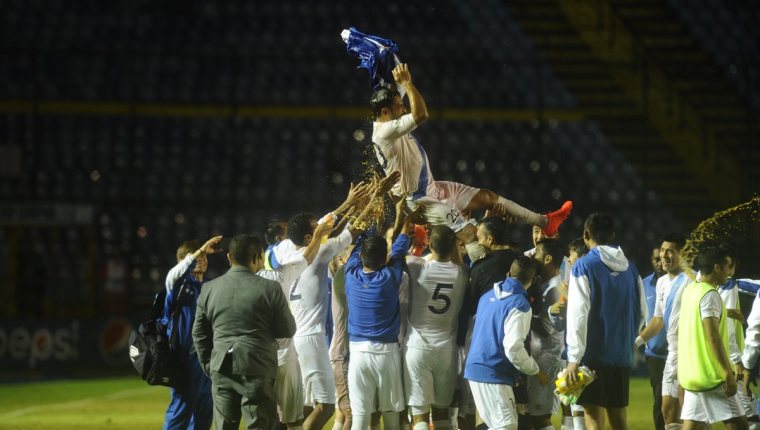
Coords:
308,298
437,292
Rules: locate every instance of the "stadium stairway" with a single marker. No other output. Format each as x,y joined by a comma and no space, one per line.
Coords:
642,110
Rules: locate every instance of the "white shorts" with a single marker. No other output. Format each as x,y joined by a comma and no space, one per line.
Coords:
670,377
541,398
375,382
710,406
317,373
429,377
444,202
289,388
670,386
746,401
466,403
495,404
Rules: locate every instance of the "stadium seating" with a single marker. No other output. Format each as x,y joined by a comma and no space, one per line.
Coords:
156,180
729,33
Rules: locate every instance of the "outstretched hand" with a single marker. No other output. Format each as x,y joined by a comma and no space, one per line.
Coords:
401,74
324,228
385,184
210,246
359,192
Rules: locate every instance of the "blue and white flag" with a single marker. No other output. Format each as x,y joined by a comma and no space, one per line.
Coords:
377,55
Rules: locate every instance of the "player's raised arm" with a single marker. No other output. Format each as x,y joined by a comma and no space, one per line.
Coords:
416,103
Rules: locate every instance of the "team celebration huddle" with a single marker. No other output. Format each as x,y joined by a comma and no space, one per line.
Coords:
399,308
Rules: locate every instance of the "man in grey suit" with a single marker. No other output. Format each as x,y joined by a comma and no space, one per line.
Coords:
238,318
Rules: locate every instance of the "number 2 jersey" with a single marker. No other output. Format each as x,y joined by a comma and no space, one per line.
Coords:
308,297
396,149
436,294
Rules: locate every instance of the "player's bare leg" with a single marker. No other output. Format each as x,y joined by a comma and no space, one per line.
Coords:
595,417
671,410
618,418
318,416
487,199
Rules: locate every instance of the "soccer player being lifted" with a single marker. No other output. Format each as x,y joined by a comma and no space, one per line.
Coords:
442,201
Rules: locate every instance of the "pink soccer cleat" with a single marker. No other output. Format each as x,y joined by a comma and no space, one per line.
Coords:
556,218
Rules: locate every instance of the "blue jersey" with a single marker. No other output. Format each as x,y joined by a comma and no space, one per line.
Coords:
182,293
614,308
373,302
487,360
657,346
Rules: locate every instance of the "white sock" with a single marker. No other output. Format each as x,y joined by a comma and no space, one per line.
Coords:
454,417
361,422
390,421
475,251
422,425
337,425
520,213
754,425
579,423
567,423
673,426
442,425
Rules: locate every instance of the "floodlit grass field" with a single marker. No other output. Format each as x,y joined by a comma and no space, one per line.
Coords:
128,403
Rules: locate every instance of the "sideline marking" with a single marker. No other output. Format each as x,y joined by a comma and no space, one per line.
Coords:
83,402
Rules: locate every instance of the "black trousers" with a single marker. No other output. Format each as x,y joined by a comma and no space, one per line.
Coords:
656,367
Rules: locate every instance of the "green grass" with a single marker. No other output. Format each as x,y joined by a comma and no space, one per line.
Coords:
128,403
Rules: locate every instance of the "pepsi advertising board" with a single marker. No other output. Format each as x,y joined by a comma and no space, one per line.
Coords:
64,344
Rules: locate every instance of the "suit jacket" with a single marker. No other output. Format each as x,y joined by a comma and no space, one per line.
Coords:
241,313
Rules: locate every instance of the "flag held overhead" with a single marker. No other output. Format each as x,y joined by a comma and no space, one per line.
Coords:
376,54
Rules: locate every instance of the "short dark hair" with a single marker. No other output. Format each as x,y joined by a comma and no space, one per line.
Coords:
274,229
678,239
299,226
600,227
374,252
496,227
187,247
443,240
579,246
245,248
710,255
523,269
555,248
382,98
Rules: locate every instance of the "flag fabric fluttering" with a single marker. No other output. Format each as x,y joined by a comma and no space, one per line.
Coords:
376,54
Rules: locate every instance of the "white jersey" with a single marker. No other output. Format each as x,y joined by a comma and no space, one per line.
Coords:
397,150
436,294
291,264
547,335
663,289
730,297
308,298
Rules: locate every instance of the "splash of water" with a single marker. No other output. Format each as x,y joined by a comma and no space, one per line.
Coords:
732,225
